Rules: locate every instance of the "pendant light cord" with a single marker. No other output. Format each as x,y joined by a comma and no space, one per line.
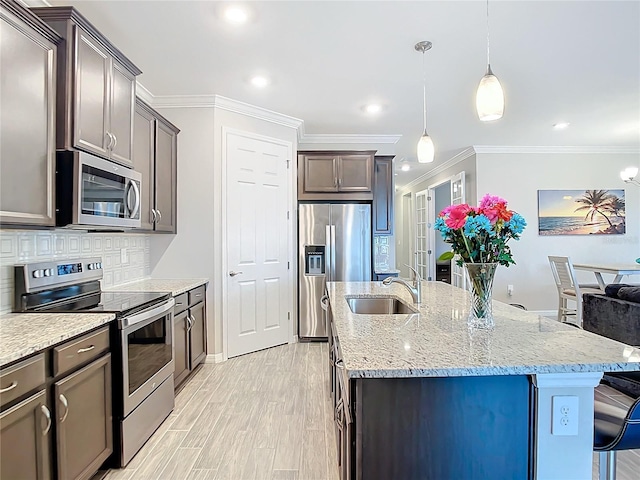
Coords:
488,59
424,93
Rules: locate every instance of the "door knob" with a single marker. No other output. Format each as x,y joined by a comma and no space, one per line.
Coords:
233,274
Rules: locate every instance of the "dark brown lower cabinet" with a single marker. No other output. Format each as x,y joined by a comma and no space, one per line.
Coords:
25,448
181,347
189,332
197,338
84,435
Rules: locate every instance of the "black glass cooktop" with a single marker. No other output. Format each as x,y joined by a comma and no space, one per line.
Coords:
87,298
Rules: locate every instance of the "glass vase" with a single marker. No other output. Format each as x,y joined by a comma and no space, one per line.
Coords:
480,286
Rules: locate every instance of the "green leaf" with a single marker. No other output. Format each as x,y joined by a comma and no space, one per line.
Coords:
445,256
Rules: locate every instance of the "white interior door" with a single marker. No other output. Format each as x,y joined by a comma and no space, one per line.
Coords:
258,283
423,249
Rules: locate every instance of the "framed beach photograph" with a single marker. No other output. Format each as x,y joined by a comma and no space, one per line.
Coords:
581,212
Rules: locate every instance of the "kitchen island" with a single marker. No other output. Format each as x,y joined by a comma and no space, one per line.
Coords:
419,395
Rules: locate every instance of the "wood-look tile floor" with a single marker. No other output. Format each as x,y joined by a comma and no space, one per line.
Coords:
266,415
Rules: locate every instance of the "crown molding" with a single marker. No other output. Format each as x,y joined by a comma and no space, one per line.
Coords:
144,93
223,103
35,3
459,157
555,149
322,138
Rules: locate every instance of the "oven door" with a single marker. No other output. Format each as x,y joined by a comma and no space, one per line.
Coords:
147,352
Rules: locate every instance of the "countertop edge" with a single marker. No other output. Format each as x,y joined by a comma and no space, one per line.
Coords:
175,286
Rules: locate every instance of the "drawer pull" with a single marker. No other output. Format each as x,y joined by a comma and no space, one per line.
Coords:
199,294
65,404
178,303
47,416
88,349
13,385
339,364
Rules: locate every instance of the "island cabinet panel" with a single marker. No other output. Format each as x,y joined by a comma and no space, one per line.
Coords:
443,428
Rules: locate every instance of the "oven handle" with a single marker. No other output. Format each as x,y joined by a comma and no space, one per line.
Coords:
147,314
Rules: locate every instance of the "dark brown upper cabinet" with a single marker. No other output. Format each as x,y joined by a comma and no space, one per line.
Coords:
383,193
334,175
96,89
155,156
27,131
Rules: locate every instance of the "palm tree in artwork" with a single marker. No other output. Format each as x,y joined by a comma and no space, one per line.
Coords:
617,207
595,201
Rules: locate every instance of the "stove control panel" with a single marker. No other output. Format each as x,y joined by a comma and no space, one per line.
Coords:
34,277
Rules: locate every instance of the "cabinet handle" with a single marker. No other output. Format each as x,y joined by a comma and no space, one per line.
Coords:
88,349
340,364
159,215
190,323
13,385
47,415
115,141
198,294
65,404
108,135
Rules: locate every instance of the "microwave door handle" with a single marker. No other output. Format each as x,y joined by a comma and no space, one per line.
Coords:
136,206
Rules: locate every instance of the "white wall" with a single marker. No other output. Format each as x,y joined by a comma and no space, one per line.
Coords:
517,177
196,250
189,253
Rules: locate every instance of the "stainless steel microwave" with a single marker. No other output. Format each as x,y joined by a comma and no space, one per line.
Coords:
93,193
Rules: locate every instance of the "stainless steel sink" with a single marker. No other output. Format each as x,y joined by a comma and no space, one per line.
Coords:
379,306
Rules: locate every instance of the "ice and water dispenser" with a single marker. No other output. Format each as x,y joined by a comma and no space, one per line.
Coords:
314,259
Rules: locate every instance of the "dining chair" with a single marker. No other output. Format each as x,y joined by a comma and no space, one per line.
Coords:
569,289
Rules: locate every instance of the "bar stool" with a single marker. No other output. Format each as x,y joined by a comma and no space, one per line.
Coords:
616,427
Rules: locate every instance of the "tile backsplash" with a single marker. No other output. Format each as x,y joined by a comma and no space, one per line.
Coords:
19,246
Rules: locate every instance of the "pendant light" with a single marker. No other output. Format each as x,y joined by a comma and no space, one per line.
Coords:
489,97
426,150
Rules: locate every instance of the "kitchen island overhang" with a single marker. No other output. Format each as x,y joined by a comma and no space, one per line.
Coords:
475,402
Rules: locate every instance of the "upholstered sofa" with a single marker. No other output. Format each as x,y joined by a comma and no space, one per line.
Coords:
615,315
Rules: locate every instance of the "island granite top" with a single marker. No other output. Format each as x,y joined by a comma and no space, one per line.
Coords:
437,342
22,334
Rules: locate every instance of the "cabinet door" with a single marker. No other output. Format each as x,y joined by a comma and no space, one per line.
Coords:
166,177
83,419
25,449
143,161
27,132
123,97
181,347
383,196
197,335
320,173
91,96
354,173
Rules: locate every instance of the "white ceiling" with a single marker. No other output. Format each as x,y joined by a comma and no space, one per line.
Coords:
574,61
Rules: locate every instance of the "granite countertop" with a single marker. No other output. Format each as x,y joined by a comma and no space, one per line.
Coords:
22,334
175,286
437,342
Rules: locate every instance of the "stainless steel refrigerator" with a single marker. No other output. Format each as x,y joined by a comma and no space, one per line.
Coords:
334,245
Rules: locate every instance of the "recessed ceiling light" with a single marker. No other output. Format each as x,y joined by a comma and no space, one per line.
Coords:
396,174
560,125
259,81
405,167
373,108
236,15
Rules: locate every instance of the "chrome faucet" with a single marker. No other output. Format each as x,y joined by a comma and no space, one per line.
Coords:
414,289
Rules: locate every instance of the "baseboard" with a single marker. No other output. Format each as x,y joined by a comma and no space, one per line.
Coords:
214,358
553,314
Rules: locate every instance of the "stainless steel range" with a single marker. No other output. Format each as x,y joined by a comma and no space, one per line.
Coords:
141,341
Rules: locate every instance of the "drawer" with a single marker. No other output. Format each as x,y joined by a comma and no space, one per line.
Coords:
196,295
21,378
76,352
181,303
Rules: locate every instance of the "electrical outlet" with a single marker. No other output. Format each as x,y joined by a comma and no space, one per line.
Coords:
564,415
124,256
509,290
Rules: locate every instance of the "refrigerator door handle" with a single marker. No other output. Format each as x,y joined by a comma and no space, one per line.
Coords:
327,260
333,253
